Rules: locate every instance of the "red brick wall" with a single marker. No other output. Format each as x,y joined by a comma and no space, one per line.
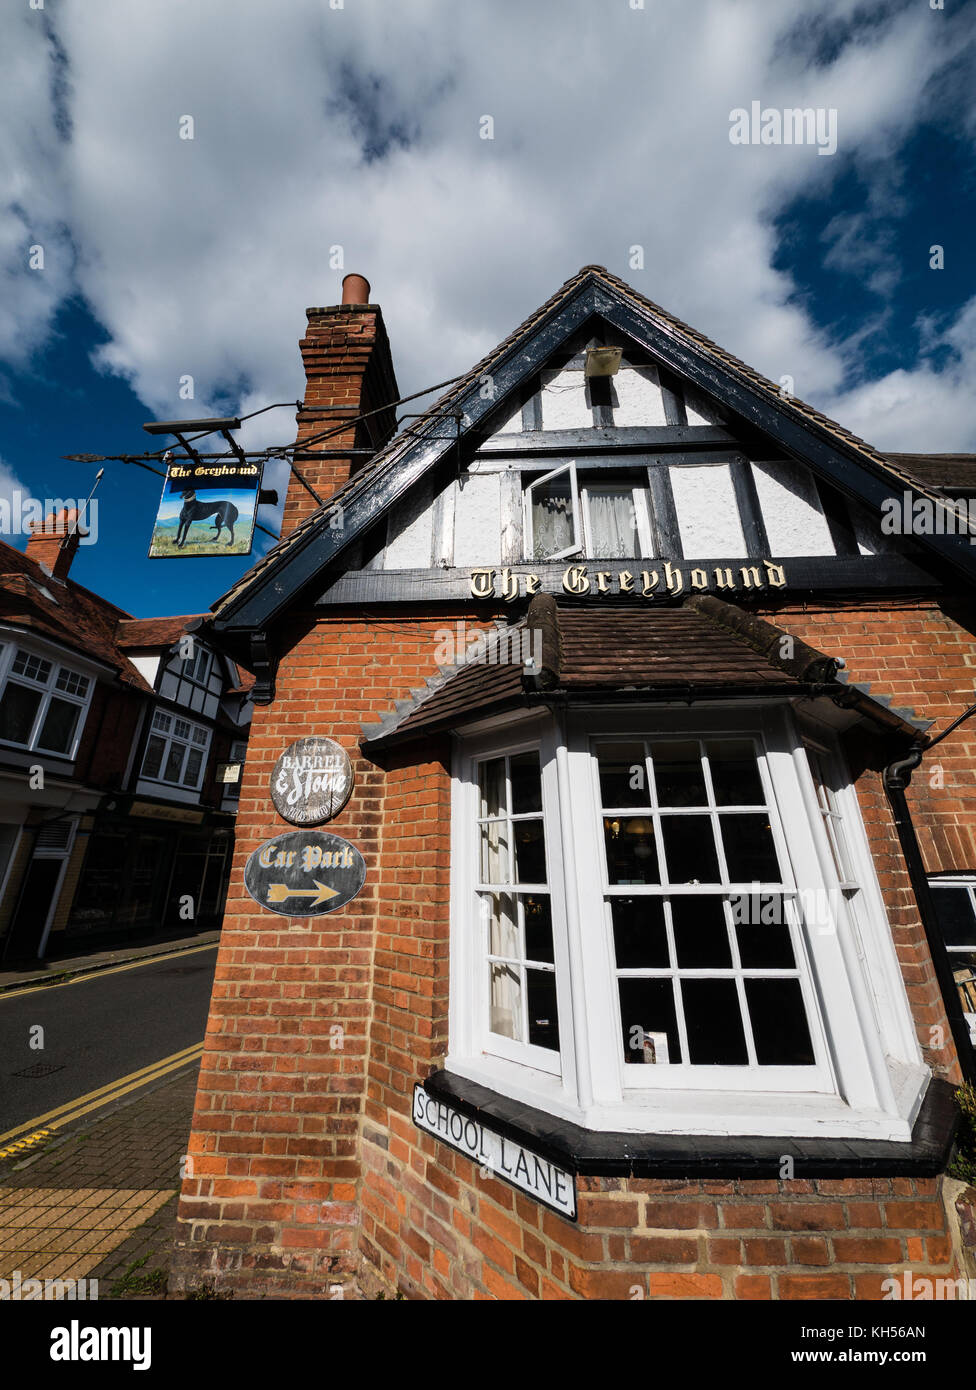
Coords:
307,1171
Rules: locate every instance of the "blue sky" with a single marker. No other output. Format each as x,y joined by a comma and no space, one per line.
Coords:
359,128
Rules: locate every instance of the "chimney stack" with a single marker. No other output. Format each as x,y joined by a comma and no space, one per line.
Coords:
54,542
348,372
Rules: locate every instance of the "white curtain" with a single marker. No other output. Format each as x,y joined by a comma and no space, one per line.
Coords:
552,519
612,520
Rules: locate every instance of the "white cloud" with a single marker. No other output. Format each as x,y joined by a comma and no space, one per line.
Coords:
359,127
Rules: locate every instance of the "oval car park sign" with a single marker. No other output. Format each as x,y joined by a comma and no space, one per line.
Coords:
304,873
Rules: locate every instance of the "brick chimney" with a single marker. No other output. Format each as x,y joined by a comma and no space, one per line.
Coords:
55,540
348,371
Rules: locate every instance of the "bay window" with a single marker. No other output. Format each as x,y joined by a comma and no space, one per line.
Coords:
670,923
43,704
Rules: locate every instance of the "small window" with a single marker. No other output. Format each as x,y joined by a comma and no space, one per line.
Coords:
197,667
601,515
955,904
176,751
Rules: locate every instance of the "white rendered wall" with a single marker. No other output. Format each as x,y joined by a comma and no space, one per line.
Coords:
791,511
638,397
477,520
409,544
708,514
147,666
564,404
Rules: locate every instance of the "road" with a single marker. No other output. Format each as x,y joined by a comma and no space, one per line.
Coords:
97,1029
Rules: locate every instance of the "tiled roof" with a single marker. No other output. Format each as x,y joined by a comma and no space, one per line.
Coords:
387,458
153,632
938,472
76,618
703,649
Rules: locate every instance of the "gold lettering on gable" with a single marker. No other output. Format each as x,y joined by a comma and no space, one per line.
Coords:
509,584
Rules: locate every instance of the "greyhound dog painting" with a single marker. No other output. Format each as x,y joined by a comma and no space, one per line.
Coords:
223,512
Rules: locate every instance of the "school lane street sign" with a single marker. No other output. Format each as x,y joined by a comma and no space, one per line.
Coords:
304,873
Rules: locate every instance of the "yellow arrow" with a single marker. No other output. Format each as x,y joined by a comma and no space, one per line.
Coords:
278,892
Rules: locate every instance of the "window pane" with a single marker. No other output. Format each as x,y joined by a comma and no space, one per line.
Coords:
640,937
762,931
499,909
200,736
612,521
689,848
494,852
735,773
650,1029
538,927
552,517
18,709
714,1023
530,851
779,1023
749,849
955,913
174,763
153,760
491,779
182,728
543,1023
623,775
35,668
505,1002
71,683
701,937
678,775
526,783
631,855
162,721
191,773
58,729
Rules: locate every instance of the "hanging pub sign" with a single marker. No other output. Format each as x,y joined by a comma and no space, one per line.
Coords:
206,509
311,781
304,873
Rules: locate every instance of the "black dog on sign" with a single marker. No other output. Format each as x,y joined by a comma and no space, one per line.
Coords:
224,512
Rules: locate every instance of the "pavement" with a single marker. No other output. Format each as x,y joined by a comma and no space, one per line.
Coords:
96,1199
100,1202
57,968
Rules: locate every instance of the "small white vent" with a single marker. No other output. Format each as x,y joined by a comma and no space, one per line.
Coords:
55,837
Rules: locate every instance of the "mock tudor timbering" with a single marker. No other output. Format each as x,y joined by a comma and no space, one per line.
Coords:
639,990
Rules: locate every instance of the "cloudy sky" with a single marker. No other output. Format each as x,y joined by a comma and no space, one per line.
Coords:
358,125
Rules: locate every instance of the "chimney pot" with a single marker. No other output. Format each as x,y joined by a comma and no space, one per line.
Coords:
355,289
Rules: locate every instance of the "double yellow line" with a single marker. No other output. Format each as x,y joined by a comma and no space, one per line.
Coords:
24,1135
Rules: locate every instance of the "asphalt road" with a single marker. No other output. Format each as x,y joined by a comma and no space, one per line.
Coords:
98,1029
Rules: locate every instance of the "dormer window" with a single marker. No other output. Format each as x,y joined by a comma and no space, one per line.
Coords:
601,514
196,667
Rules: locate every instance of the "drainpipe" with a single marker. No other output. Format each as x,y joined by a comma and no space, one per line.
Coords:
897,776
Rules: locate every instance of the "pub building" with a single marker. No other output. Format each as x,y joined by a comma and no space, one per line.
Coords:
615,936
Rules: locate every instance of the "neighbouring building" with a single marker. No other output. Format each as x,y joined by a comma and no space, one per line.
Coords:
121,744
646,992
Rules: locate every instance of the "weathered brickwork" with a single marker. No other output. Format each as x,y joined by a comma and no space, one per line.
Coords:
308,1175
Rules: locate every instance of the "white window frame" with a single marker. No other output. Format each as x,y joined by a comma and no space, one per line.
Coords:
185,671
870,1076
48,690
583,544
577,547
169,737
967,881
